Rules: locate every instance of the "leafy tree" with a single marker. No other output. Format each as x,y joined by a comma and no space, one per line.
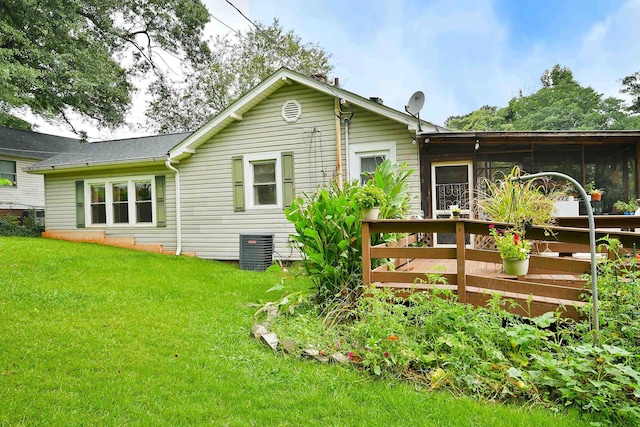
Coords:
561,104
237,64
631,85
487,118
62,56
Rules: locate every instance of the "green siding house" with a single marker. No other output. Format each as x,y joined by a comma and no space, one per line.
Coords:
197,193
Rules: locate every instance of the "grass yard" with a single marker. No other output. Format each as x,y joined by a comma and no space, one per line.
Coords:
93,335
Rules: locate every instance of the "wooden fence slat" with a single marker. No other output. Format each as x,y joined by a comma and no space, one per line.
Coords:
406,277
524,287
435,253
366,254
460,254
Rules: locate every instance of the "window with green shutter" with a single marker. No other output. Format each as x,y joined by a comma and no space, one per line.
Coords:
268,179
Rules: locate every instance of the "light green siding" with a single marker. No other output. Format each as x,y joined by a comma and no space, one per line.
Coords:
60,190
211,227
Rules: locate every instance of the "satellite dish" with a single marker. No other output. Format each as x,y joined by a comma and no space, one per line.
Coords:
415,104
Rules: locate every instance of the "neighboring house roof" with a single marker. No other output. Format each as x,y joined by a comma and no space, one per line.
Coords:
33,145
277,80
131,151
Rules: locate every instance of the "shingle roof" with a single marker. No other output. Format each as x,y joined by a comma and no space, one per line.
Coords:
33,145
120,151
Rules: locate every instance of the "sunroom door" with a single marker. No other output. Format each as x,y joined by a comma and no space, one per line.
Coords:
451,184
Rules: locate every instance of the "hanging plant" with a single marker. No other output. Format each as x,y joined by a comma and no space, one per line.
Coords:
520,203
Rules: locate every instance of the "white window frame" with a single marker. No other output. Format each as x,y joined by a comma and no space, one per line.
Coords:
131,203
248,179
367,149
14,181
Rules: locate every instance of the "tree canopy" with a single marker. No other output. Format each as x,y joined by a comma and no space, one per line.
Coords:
62,56
560,104
237,64
631,86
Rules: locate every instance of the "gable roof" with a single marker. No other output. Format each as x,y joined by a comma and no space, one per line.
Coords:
277,80
33,145
103,154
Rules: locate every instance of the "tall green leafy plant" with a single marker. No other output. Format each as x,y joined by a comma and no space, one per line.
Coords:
329,234
329,231
393,179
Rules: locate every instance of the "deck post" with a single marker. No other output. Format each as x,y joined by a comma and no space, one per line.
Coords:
366,254
460,255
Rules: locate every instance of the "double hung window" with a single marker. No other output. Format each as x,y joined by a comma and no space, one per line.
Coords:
8,171
364,158
263,176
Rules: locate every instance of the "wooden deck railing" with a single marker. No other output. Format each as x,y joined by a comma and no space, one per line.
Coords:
551,281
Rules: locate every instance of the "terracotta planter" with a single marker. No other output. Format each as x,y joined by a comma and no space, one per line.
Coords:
370,214
515,267
596,197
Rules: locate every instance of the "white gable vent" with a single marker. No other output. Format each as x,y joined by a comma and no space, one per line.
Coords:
291,111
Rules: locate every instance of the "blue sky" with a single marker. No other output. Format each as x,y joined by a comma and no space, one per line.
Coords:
462,54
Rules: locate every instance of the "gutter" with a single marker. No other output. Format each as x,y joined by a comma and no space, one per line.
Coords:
178,206
142,161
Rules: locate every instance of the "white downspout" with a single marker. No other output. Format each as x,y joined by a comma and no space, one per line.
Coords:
346,147
178,207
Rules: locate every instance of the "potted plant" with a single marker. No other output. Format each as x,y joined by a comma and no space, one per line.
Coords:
455,211
369,198
626,208
514,250
596,194
518,203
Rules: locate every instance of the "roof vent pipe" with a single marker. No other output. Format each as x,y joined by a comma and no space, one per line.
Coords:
336,82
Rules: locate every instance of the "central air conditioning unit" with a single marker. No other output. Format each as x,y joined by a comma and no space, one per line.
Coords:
256,251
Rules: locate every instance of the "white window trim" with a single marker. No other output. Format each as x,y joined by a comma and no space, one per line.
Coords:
14,183
108,183
248,179
362,149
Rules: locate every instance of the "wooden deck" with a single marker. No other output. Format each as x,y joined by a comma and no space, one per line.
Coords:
491,279
476,275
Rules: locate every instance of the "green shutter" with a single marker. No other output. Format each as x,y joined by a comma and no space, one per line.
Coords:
238,183
288,190
80,204
161,205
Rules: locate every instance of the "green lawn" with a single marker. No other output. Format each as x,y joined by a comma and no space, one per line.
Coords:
92,335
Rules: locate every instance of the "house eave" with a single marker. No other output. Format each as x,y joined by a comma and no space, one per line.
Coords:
270,85
95,166
531,137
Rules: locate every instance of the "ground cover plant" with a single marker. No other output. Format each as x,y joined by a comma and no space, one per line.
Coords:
438,344
93,335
